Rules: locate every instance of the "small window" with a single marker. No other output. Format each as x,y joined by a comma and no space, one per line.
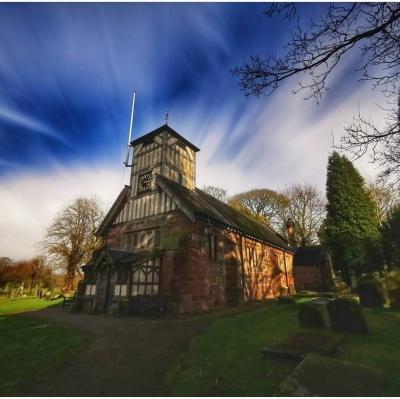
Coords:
90,289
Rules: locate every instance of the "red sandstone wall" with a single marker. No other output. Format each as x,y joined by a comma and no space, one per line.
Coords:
194,282
307,277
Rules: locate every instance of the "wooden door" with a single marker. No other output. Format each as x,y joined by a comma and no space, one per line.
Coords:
103,289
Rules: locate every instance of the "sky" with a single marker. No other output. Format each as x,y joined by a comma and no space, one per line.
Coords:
67,74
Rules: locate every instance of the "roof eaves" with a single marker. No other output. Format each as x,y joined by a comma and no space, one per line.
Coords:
160,129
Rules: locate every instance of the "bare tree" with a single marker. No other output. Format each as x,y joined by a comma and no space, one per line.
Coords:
315,51
70,239
384,197
306,210
217,192
264,205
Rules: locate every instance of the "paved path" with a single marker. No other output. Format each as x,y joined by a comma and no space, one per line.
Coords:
125,357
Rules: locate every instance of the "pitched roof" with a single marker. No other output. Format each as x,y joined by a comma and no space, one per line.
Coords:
120,257
199,204
114,210
153,133
309,256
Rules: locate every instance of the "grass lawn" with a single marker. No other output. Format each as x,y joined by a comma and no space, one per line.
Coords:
19,305
30,346
226,358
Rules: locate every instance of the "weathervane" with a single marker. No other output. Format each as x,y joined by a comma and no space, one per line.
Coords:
166,116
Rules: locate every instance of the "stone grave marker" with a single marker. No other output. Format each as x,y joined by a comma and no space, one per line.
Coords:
324,376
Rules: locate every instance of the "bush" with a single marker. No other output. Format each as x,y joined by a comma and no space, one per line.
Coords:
370,291
117,310
346,316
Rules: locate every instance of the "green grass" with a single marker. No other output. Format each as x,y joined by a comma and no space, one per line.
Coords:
226,358
31,346
19,305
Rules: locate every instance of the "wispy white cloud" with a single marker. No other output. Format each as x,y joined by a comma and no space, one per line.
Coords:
28,203
24,121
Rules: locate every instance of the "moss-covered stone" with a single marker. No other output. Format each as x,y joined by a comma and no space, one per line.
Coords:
370,291
310,317
323,376
346,316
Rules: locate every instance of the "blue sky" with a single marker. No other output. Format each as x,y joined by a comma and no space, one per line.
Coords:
67,73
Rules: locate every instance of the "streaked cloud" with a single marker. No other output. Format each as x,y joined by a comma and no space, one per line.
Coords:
67,73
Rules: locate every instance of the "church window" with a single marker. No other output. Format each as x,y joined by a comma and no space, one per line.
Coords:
145,278
90,289
141,239
120,290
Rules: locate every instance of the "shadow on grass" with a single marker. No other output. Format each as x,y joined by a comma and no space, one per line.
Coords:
31,346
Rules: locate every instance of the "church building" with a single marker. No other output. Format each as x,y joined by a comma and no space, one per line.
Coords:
171,245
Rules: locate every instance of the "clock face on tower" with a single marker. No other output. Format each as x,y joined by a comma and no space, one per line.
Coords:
144,182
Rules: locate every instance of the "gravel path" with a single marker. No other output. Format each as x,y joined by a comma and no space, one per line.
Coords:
125,357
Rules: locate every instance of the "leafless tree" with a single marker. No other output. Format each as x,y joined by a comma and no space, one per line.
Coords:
385,198
217,192
313,53
262,204
70,239
307,211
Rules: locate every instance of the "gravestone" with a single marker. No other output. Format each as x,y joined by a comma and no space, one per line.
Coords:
310,316
324,376
392,283
346,316
370,291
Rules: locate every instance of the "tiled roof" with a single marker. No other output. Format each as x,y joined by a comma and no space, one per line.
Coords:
205,206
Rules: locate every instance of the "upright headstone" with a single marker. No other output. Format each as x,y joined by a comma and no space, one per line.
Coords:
346,316
392,284
310,316
370,291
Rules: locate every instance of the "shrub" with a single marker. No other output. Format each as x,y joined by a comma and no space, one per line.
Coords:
117,310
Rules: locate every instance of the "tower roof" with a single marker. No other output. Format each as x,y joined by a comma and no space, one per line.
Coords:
164,128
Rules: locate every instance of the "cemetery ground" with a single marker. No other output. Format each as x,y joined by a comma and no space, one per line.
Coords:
54,352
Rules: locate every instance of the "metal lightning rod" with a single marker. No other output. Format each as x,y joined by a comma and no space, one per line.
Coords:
130,130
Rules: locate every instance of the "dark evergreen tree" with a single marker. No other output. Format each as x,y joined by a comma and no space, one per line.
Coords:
390,239
351,228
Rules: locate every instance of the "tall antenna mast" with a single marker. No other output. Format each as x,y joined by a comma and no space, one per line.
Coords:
126,163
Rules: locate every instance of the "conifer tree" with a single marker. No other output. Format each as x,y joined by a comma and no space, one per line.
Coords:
390,230
351,229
